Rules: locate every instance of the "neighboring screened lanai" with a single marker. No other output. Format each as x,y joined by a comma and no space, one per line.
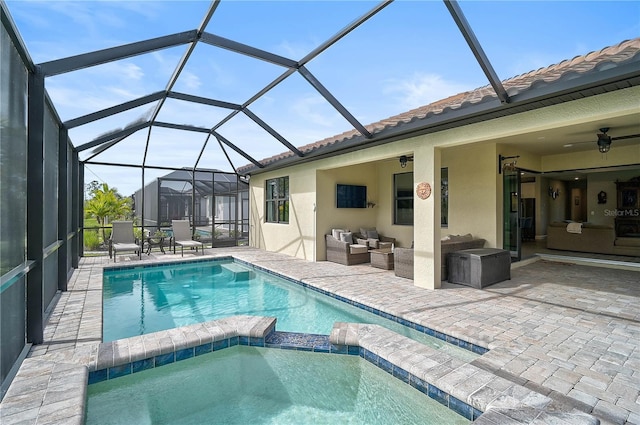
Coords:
216,203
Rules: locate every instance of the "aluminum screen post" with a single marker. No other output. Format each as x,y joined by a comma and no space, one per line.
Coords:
35,210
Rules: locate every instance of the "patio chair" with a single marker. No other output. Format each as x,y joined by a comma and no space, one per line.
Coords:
182,236
123,239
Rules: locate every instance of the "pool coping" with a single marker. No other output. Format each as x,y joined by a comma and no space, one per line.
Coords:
462,387
84,351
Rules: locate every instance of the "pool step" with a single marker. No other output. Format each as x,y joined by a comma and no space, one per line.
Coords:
238,272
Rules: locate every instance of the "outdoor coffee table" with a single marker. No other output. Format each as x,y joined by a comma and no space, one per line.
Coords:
382,259
151,242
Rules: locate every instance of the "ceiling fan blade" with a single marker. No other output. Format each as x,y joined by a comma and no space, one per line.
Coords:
630,136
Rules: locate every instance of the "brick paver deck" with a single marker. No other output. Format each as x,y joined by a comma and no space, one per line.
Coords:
570,332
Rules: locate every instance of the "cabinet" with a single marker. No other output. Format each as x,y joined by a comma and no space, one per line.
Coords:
627,219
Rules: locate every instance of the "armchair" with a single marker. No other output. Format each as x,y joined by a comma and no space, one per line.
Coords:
344,252
403,257
373,240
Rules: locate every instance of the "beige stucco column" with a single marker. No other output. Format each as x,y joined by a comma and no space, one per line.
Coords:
426,218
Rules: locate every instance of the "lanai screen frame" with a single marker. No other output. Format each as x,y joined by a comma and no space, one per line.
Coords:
62,247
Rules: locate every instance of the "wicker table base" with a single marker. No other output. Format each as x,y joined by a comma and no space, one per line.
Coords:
382,259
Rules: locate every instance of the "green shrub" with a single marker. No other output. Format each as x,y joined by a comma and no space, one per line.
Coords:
91,239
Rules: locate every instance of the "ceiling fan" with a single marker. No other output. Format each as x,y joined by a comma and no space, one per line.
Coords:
604,140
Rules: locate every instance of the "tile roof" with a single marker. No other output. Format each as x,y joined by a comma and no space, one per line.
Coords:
603,59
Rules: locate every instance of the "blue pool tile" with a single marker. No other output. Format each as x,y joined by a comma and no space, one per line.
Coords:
140,365
421,328
97,376
164,359
460,407
353,350
371,357
479,350
203,349
438,395
219,345
385,365
288,347
452,340
339,349
419,384
232,342
256,342
464,344
430,332
118,371
322,348
243,340
304,348
401,374
184,354
476,413
440,335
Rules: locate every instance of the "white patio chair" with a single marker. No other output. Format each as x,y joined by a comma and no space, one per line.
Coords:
182,236
122,239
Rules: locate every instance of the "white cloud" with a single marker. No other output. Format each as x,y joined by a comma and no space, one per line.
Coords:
421,89
294,51
190,80
308,109
131,71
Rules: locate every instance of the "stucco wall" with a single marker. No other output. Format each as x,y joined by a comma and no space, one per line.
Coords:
473,191
475,187
296,238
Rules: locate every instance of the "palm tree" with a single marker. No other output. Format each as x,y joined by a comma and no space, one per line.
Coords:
105,204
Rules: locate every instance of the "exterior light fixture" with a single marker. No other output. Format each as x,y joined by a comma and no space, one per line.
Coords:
404,159
604,141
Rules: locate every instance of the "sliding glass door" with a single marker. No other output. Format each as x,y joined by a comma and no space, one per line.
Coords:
511,211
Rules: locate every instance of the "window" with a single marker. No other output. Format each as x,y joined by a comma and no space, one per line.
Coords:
403,198
277,200
444,197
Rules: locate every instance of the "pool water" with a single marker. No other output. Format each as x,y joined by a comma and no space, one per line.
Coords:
252,385
144,300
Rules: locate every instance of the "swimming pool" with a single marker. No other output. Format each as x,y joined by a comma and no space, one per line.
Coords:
142,300
252,385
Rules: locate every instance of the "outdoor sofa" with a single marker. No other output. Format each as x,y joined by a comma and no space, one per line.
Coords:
403,257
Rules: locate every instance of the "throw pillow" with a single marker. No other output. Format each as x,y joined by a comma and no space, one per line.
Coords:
336,233
373,234
346,237
364,230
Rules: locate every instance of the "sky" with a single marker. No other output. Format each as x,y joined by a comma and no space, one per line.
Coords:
407,55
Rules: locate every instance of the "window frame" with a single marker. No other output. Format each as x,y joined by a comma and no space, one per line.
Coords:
276,198
444,197
397,199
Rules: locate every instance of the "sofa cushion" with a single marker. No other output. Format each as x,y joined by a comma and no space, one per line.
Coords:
365,230
627,242
373,234
459,238
346,237
358,249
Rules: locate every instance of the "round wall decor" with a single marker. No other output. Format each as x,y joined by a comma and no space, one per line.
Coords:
423,190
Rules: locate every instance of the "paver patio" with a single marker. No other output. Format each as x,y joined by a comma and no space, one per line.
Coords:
570,332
